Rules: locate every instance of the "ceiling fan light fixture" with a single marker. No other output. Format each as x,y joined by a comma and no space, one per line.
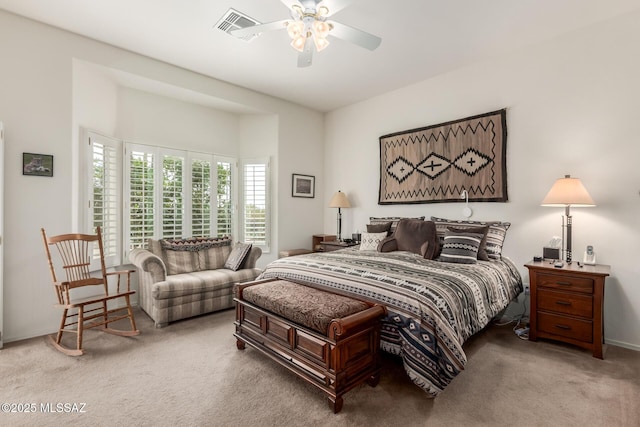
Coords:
321,28
299,42
322,11
295,29
320,42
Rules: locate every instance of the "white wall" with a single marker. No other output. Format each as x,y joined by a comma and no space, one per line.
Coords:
37,108
572,108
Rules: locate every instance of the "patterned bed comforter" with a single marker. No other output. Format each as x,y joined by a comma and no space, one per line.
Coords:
433,307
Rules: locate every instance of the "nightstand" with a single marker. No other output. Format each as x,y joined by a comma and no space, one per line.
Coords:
335,245
319,238
566,303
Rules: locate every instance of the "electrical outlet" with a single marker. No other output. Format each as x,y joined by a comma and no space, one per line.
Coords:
526,290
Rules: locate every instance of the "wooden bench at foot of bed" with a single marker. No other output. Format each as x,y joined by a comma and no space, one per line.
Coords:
329,340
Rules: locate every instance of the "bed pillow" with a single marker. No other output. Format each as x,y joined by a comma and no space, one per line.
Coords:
370,241
379,228
460,247
394,220
237,256
495,235
482,250
417,236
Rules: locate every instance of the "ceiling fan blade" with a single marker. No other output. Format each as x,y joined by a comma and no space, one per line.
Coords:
355,36
305,57
260,28
334,6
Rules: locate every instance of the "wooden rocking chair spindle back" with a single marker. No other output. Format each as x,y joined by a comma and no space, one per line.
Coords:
76,252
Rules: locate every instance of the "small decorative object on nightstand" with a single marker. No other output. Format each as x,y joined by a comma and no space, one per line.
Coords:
567,303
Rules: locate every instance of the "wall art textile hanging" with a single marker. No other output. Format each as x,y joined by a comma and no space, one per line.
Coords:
435,163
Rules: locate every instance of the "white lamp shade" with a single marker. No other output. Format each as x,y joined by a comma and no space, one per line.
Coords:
568,191
339,200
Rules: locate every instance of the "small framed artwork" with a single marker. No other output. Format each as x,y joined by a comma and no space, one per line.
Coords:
37,164
303,186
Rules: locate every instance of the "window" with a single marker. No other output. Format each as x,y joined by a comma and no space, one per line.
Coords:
136,192
141,212
200,197
103,198
224,215
255,214
173,197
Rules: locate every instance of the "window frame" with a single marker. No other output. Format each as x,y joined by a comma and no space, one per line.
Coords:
124,152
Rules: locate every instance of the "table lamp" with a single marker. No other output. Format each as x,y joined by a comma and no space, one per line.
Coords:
339,200
568,192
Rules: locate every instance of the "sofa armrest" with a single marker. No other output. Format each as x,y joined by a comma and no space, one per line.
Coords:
149,263
252,257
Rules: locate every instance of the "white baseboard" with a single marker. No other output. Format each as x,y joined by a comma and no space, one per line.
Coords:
623,344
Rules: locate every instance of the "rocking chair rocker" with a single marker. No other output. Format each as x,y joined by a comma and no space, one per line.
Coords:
79,314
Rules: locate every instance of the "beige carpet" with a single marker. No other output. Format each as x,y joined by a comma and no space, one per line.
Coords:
191,374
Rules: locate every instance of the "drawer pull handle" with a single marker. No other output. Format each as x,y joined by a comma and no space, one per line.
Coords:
565,327
563,283
566,303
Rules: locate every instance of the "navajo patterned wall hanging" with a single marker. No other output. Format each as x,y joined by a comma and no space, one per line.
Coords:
435,163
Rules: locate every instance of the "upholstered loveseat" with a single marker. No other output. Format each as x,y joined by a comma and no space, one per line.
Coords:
184,278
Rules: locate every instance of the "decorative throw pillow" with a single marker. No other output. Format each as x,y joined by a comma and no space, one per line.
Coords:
370,241
237,256
393,219
412,234
495,235
179,256
482,250
379,228
460,247
214,252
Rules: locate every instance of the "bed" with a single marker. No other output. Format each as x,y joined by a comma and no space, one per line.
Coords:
433,306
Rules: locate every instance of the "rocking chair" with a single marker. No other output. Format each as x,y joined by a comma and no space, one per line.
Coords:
79,314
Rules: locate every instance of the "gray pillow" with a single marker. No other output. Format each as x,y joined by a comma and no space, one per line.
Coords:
379,228
237,256
482,250
495,236
412,234
460,247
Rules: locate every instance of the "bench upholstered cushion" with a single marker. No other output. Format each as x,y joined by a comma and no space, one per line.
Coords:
306,306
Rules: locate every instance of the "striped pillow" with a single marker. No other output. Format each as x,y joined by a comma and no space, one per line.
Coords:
495,235
394,220
460,247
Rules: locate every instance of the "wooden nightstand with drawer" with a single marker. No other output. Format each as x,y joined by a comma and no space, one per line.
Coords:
566,303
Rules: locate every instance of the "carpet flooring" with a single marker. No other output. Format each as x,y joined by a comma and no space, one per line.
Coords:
191,374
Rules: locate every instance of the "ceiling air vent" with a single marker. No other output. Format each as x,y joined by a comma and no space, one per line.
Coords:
234,20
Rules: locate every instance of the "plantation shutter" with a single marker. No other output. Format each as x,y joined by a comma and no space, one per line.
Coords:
172,196
105,198
255,206
224,197
141,197
200,198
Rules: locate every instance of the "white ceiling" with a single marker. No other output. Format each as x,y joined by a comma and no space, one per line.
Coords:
420,39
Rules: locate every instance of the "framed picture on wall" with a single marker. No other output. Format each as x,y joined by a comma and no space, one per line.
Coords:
37,164
303,186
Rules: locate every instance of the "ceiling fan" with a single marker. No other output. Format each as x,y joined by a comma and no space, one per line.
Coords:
309,26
